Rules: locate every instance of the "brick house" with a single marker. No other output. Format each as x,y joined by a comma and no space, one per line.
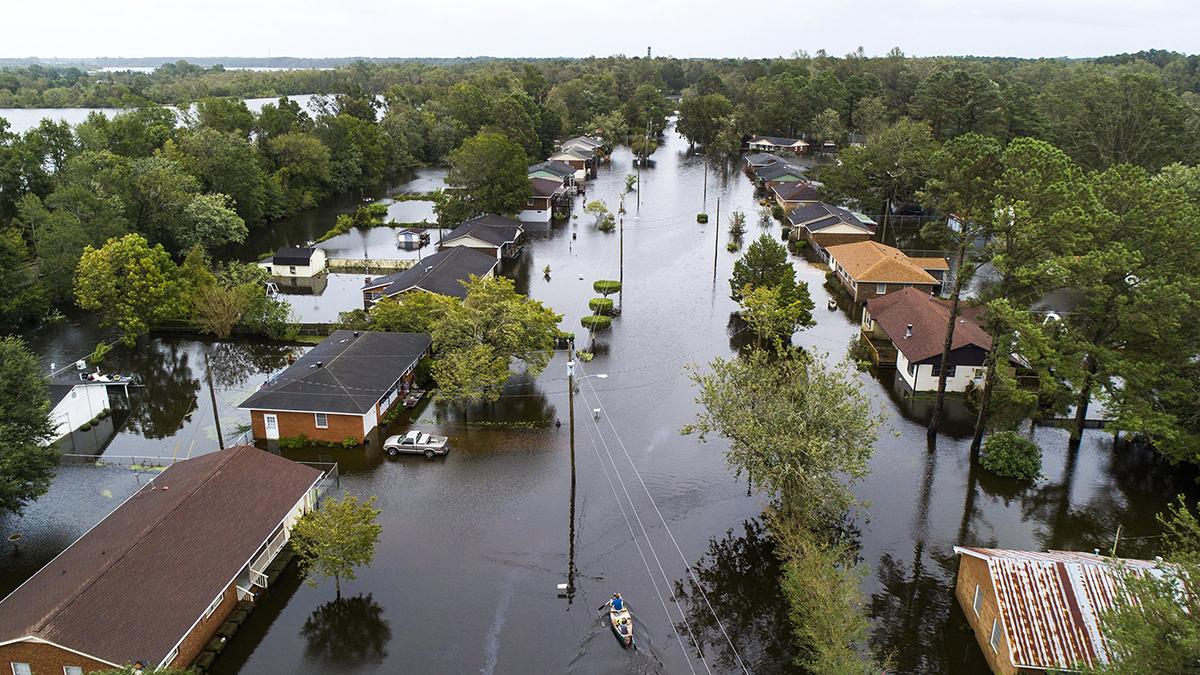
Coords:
867,269
823,225
339,389
155,579
1039,612
547,193
790,196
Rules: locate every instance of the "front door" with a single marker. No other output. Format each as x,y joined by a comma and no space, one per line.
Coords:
271,422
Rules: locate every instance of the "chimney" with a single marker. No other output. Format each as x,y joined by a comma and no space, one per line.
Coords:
908,331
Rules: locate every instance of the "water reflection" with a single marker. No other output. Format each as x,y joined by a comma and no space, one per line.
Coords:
166,398
740,575
233,364
347,633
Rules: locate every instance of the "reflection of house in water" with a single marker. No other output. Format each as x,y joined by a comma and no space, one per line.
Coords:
81,410
314,285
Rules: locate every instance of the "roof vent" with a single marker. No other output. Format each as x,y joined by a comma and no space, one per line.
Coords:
908,331
355,333
1095,551
319,364
428,269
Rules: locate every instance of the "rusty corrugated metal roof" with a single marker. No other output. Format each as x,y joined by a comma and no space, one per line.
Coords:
1050,603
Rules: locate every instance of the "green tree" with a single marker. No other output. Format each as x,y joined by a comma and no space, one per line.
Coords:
303,169
24,300
959,101
609,127
766,265
488,174
26,462
773,322
416,312
892,168
646,110
963,187
605,221
827,126
470,375
1152,626
357,152
229,164
213,223
129,283
870,115
337,537
226,115
701,118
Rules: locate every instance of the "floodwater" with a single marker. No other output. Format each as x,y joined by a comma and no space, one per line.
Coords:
474,544
21,120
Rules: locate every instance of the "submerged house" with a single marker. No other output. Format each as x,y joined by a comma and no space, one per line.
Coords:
759,159
779,172
1040,612
868,268
154,580
443,273
547,194
776,144
295,261
488,233
790,195
74,403
559,171
908,328
339,389
823,225
579,158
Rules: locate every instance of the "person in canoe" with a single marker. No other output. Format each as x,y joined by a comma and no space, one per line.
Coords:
617,603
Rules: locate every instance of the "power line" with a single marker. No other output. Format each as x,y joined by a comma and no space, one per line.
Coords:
662,519
633,535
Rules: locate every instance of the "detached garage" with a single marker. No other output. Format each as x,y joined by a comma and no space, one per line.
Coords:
340,389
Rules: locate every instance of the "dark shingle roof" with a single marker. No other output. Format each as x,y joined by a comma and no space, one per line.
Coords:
761,159
490,228
134,584
818,216
779,169
354,373
928,316
293,255
440,273
799,191
545,187
557,168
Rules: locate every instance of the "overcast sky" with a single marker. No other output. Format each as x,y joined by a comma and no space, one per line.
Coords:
682,28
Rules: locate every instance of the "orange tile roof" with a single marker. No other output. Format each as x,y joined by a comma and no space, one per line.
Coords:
870,261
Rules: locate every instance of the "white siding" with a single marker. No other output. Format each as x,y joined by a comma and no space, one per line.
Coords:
535,215
316,266
370,421
923,378
81,405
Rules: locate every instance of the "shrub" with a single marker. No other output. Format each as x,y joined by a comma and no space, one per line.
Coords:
294,442
1011,455
601,305
778,212
732,246
596,322
349,442
701,218
584,355
606,287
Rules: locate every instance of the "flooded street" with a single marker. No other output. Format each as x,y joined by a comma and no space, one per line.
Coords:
473,545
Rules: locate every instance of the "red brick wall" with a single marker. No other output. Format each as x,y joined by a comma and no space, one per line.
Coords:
297,423
972,571
194,643
44,659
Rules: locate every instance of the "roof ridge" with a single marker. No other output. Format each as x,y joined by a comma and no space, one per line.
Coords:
62,607
333,375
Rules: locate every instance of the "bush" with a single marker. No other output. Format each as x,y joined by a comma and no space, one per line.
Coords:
732,246
778,212
596,322
1011,455
601,305
584,355
701,218
349,442
606,287
294,442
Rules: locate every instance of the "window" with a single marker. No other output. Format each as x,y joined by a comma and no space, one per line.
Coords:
978,604
291,269
912,368
880,289
72,670
170,657
21,668
995,639
212,607
322,420
937,370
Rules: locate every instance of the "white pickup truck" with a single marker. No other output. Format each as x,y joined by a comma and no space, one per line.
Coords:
417,443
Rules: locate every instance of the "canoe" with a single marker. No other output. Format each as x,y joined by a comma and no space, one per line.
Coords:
622,625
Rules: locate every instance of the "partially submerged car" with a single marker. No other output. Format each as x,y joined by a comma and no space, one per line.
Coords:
416,443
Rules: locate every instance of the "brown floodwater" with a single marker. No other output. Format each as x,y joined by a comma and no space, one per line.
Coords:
474,544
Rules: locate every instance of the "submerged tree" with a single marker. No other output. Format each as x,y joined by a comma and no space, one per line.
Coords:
131,284
336,538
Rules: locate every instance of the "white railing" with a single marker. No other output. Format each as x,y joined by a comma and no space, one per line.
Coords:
260,564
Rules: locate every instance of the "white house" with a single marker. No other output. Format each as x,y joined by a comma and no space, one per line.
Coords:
75,403
293,261
776,144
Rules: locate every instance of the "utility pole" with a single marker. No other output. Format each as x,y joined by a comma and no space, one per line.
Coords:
621,259
716,237
571,531
213,394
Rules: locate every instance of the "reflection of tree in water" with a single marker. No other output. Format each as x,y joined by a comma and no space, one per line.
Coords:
910,615
167,396
233,363
740,575
349,632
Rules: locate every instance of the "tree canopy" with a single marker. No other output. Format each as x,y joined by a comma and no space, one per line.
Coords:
26,463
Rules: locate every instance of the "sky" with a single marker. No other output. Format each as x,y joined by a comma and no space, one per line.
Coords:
539,28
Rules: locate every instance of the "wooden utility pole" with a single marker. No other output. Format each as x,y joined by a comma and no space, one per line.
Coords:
621,260
716,237
212,392
704,199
